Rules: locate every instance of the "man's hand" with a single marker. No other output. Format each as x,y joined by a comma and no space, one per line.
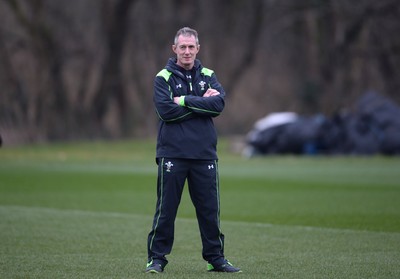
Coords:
177,100
211,92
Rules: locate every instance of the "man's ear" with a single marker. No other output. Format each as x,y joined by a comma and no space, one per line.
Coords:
174,48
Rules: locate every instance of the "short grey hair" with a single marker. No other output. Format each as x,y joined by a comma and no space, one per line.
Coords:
187,32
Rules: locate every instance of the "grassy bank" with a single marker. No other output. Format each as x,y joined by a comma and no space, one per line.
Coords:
84,211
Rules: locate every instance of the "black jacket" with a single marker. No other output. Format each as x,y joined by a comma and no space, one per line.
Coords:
187,131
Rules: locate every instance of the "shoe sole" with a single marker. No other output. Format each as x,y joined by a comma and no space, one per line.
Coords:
152,271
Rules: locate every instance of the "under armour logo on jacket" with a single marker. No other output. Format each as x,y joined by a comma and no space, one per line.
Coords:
179,86
210,167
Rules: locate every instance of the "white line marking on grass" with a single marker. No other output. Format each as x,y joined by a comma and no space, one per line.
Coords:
188,220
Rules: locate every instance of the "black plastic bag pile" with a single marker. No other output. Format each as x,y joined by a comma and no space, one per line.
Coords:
373,127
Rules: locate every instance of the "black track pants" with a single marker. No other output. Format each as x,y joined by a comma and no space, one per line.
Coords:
203,182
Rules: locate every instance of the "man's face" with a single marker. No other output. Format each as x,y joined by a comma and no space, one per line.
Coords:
186,50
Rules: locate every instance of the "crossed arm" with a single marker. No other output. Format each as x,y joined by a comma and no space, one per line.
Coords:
209,93
179,108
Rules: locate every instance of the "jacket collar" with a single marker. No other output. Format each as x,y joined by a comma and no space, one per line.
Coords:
175,68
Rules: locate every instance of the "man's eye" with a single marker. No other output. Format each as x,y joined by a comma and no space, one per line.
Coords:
189,47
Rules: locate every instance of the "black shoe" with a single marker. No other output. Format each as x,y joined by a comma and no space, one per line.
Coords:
226,267
154,268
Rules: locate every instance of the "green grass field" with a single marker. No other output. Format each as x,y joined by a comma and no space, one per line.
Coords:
84,211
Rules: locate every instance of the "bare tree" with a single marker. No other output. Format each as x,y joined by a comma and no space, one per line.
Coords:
115,15
46,102
85,69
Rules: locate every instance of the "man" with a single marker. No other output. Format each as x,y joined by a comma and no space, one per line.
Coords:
187,96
